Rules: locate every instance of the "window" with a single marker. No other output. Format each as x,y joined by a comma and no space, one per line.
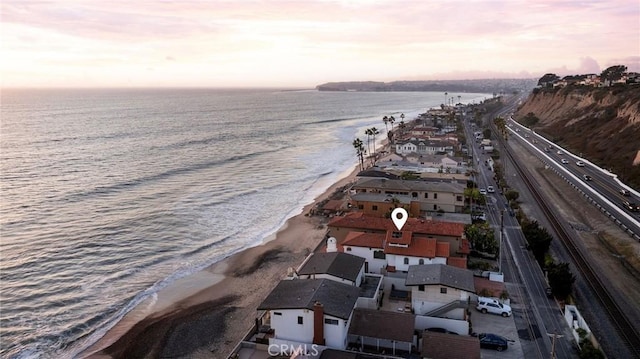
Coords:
348,249
426,195
374,207
443,290
435,196
360,206
459,198
277,313
331,321
414,194
421,287
299,320
396,234
406,261
379,255
421,261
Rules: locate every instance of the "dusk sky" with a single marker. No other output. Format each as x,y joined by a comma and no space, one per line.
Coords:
308,42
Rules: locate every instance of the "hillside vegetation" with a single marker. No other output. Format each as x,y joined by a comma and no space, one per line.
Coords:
601,123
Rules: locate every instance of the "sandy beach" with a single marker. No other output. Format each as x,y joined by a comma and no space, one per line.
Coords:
205,315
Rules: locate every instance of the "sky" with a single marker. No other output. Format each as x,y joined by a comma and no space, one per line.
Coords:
300,44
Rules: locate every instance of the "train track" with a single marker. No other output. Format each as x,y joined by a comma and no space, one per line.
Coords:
625,328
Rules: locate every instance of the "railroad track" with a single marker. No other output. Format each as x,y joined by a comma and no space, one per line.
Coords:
626,330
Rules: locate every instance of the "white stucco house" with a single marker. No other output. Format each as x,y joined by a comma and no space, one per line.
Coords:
310,311
440,290
337,266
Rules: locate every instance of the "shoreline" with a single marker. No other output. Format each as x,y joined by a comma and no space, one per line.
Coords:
184,317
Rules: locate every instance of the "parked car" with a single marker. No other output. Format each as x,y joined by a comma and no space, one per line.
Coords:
625,193
490,189
587,177
493,306
564,161
580,164
493,341
483,191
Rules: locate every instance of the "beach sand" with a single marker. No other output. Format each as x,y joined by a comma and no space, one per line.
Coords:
207,314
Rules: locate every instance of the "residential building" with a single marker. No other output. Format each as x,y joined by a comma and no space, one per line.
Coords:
378,196
450,232
337,266
440,290
424,147
449,346
375,329
310,311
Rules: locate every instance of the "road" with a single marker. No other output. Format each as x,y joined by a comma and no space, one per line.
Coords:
536,316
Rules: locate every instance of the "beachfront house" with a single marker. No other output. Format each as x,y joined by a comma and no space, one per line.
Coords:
310,311
379,196
337,266
395,251
449,232
424,147
440,290
378,330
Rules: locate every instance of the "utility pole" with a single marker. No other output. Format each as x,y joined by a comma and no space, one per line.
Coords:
500,243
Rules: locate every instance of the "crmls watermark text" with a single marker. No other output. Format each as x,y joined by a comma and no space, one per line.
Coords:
290,349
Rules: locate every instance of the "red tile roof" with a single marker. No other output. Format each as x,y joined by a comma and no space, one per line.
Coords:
442,249
404,237
361,239
457,262
358,220
419,247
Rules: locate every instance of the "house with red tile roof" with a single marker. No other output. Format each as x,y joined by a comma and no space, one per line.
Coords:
451,233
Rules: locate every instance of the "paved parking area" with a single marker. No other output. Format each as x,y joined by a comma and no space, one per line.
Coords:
506,327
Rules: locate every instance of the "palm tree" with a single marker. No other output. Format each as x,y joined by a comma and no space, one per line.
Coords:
359,146
445,98
459,98
391,121
385,119
368,133
374,132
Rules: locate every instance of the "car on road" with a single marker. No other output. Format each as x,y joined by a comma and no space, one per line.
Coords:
559,152
564,161
625,193
580,164
483,191
493,306
490,189
587,177
493,341
631,206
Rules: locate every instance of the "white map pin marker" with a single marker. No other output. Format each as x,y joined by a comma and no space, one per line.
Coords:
399,217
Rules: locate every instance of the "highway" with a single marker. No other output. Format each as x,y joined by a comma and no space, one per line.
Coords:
603,189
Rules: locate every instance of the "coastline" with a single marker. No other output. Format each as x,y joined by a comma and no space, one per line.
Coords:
206,314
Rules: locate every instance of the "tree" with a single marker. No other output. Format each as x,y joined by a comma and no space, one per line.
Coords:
482,237
561,280
613,73
374,131
538,239
359,146
486,133
368,133
548,80
512,195
385,119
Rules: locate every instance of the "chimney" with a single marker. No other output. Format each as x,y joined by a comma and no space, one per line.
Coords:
318,323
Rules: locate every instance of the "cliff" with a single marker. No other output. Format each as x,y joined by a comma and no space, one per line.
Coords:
601,123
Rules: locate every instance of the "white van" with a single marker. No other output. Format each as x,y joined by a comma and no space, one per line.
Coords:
493,306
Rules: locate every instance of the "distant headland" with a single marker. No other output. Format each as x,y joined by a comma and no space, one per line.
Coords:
495,86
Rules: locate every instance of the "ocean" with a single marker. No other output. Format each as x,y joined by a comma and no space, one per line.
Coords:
107,196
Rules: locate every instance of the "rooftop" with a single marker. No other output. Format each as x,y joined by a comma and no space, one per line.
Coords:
440,274
382,325
449,346
338,264
357,220
338,299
